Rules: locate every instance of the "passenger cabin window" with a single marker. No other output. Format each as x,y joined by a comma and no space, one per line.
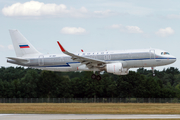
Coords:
165,53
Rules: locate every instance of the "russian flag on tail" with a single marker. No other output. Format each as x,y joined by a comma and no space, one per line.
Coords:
24,46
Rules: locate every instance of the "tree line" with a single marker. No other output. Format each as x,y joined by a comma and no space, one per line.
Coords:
32,83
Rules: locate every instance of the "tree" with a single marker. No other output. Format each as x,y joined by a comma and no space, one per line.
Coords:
177,90
25,83
131,85
29,86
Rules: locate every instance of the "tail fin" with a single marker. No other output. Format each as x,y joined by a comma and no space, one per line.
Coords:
21,45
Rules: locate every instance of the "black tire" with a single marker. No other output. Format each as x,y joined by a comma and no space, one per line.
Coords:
98,77
93,76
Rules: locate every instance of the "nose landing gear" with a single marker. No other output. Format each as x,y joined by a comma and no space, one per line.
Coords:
153,71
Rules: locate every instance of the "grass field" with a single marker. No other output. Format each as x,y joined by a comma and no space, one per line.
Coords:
90,108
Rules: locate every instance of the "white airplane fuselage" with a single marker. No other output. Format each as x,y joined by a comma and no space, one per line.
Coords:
129,59
116,62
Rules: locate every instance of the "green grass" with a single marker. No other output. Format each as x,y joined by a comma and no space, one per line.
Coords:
90,108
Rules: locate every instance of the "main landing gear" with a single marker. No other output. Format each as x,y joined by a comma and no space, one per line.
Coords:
97,77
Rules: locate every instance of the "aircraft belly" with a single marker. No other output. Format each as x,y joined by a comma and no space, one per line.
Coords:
71,67
74,67
63,69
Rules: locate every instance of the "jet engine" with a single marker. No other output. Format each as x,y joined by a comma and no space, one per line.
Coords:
117,68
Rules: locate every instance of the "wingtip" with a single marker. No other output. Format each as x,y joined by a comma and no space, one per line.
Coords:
61,47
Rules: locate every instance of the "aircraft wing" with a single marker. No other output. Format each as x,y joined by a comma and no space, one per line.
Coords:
90,62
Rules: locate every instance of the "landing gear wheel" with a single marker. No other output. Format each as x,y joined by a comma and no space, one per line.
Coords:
98,77
93,76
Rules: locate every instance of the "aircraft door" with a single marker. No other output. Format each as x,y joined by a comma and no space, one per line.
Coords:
152,54
152,61
41,60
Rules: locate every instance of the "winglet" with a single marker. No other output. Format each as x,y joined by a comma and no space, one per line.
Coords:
61,47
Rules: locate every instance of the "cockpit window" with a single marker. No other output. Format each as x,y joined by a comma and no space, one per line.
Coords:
165,53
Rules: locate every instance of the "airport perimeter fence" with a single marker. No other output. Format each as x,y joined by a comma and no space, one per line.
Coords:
89,100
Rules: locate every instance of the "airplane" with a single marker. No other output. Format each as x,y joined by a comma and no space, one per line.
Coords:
116,62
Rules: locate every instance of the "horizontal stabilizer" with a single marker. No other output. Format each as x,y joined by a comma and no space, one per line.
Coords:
18,59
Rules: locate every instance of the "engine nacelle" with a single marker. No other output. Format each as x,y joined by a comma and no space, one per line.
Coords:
117,68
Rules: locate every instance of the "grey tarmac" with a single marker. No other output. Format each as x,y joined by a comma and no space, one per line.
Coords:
83,116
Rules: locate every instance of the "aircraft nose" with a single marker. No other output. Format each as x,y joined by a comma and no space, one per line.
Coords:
173,59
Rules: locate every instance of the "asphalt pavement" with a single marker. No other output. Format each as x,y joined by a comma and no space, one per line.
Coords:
83,116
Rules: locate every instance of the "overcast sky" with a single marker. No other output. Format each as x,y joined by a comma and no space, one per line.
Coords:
92,25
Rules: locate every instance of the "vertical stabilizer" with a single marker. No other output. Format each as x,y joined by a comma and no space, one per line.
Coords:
21,45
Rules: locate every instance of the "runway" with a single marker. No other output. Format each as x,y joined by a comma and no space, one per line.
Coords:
81,116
